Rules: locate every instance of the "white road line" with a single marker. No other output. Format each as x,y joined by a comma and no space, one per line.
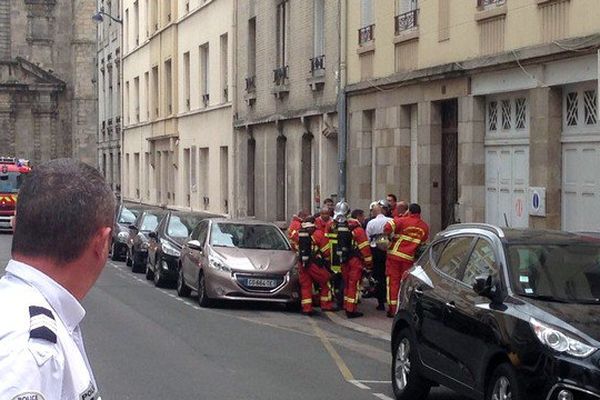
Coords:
382,396
376,382
359,385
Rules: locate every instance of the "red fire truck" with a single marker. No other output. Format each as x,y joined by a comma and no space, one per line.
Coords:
12,171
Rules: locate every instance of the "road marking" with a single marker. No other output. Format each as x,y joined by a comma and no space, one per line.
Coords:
382,396
376,333
344,370
376,382
360,385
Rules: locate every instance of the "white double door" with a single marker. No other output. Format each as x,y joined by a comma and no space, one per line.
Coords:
506,185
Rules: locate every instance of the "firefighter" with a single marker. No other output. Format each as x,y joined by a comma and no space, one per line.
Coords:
359,258
313,251
294,228
323,221
338,252
407,234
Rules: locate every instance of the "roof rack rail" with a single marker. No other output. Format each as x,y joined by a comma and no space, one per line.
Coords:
488,227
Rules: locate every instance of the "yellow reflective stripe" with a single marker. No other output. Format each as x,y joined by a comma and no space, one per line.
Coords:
350,300
410,239
393,302
324,248
326,298
336,268
306,301
393,225
363,245
387,289
401,255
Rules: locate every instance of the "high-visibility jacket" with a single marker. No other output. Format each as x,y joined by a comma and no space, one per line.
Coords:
323,226
360,242
407,234
292,231
321,246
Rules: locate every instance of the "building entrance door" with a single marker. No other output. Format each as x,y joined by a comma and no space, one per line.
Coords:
449,161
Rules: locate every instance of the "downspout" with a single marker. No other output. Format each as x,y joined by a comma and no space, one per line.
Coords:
341,100
234,209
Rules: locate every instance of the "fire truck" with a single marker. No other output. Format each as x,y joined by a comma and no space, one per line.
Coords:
12,172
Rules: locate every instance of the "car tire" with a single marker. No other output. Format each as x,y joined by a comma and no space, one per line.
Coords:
182,289
159,280
114,254
149,272
128,261
407,383
203,299
504,384
135,267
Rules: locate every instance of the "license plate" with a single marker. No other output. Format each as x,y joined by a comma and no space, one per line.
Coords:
265,283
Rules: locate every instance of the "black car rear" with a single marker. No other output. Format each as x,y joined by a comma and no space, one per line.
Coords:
501,314
126,215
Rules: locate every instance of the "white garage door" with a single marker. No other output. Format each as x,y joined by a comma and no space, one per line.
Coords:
506,182
581,187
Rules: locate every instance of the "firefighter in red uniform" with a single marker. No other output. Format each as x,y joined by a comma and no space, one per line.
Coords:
359,258
407,234
294,228
313,249
323,222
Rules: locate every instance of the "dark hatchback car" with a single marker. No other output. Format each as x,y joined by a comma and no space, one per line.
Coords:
137,251
126,215
165,243
500,314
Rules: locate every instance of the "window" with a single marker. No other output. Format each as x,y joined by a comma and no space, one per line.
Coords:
224,69
127,101
186,176
251,48
507,115
154,16
318,27
154,94
251,166
492,115
481,262
454,255
282,34
147,94
136,98
407,12
590,109
366,13
444,20
280,183
169,87
126,35
204,170
136,23
204,66
224,181
580,109
186,80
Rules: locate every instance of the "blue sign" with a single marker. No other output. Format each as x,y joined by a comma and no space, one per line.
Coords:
536,200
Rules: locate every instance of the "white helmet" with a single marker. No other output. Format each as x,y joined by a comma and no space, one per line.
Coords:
340,211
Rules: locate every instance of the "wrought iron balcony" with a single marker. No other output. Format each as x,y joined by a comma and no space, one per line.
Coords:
250,84
486,3
205,99
366,34
406,21
280,75
317,63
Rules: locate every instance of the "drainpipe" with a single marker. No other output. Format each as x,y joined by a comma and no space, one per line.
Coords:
341,99
234,200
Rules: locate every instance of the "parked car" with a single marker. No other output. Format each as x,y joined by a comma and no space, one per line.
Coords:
165,243
126,215
146,222
500,314
238,260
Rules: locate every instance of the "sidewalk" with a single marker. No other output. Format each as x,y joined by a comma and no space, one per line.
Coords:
374,323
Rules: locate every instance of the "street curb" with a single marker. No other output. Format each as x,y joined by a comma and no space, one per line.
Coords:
376,333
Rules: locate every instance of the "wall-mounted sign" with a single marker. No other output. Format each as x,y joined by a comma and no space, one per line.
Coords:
537,201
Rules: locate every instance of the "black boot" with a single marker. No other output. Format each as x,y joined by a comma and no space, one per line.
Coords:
353,314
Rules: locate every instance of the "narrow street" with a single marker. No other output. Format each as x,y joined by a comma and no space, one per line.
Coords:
146,343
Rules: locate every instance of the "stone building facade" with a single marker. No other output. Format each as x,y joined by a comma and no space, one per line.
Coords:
285,119
109,93
48,99
481,111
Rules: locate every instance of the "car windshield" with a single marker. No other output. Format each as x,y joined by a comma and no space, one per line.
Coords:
10,182
128,216
180,226
568,272
149,222
264,237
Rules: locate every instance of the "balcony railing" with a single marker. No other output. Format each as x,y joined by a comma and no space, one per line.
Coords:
406,21
486,3
280,75
317,63
366,34
250,84
205,99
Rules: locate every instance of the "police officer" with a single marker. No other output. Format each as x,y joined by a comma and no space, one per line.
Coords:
60,245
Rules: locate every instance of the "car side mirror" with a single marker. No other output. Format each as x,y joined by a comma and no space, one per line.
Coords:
152,235
133,227
487,286
194,245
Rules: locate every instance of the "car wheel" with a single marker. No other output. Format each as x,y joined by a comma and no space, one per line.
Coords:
128,261
135,267
406,381
114,254
158,278
504,384
182,289
203,299
149,272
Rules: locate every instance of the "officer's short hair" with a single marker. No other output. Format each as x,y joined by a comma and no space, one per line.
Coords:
414,208
62,204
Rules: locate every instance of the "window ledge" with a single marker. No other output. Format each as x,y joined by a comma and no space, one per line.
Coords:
545,2
495,12
406,36
366,47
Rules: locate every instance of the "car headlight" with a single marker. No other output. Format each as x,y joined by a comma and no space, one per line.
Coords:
218,264
169,249
560,341
122,236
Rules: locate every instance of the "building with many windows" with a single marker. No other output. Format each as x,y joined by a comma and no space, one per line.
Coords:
287,67
109,93
177,116
480,110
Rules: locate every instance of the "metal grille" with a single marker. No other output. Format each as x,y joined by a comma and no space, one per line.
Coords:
506,114
485,3
366,34
572,108
590,107
521,113
406,21
492,115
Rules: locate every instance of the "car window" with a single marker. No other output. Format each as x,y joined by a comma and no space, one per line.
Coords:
203,232
177,228
436,250
149,223
453,256
481,262
127,216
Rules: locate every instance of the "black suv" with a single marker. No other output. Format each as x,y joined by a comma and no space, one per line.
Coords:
500,314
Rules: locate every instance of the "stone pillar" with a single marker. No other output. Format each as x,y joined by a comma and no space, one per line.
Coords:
402,142
545,158
471,159
359,160
7,125
429,156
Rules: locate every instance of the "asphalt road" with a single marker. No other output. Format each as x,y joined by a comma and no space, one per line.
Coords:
146,343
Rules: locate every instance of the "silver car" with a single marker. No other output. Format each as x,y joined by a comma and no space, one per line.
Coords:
226,259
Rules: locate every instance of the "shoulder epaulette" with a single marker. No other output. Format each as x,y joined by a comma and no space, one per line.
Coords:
42,324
